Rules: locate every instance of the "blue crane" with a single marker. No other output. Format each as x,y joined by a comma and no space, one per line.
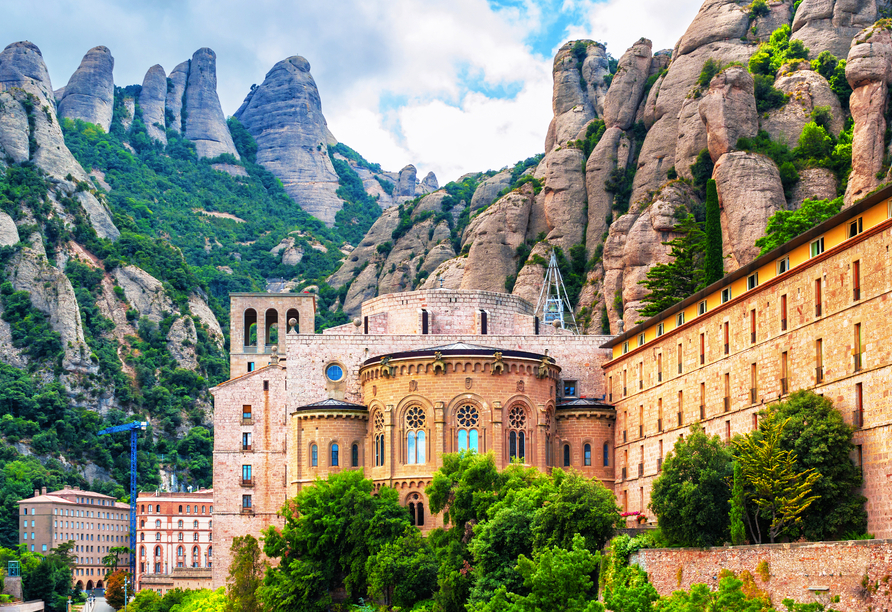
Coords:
133,428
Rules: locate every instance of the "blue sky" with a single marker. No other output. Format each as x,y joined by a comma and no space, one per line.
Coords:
451,86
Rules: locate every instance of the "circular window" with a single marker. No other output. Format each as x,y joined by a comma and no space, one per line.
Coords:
334,372
467,416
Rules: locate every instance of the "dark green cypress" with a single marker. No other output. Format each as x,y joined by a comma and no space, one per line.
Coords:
712,261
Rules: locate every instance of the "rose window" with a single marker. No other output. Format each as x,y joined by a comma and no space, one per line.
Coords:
467,416
517,418
415,418
379,421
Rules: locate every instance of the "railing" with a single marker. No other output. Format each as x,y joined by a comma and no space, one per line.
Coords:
727,403
624,435
246,448
248,421
640,470
625,392
754,394
784,324
858,361
856,294
247,510
702,412
610,396
640,384
752,337
679,419
858,418
702,358
247,483
784,386
250,349
817,310
819,374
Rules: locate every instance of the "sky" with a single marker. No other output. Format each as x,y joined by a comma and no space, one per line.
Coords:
451,86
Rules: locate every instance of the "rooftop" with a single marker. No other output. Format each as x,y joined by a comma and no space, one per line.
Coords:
330,404
459,349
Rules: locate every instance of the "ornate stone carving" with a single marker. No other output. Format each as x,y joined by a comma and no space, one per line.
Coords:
520,386
386,369
413,385
498,366
439,364
542,370
469,382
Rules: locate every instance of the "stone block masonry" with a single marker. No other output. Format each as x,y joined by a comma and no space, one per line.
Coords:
856,572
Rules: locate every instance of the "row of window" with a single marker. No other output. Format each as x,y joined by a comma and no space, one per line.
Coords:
189,509
587,455
142,523
816,248
195,537
181,552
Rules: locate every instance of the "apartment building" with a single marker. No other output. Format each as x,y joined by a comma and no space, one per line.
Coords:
812,314
92,522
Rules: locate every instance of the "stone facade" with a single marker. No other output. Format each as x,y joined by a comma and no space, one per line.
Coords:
174,534
463,369
822,325
857,572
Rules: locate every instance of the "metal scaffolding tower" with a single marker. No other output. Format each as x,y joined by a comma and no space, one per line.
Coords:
554,306
134,428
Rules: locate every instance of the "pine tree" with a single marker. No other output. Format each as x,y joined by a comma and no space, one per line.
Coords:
674,281
712,261
780,493
738,530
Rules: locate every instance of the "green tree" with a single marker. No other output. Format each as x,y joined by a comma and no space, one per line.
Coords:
672,282
330,530
114,589
147,600
779,491
245,574
403,571
632,593
204,600
112,559
821,440
784,225
691,497
815,145
738,501
729,596
557,580
713,260
49,577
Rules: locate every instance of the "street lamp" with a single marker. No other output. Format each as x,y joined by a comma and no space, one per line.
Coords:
125,593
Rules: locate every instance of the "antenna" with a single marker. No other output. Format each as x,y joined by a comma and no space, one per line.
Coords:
554,303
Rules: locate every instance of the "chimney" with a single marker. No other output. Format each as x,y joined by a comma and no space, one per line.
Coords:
43,490
36,492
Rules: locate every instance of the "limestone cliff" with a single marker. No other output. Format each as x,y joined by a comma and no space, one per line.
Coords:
90,93
205,121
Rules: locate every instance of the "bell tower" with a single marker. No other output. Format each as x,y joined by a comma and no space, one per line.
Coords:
258,322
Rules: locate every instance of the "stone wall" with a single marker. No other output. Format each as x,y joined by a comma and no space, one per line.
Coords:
762,367
857,572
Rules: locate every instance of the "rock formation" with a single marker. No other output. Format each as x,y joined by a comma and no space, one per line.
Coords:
830,25
807,90
868,70
144,292
284,115
90,93
621,101
176,88
728,110
205,121
488,190
406,185
429,182
152,99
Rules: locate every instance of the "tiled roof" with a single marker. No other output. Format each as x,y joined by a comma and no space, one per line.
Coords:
332,403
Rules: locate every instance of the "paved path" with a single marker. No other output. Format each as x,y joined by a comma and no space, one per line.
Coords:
99,605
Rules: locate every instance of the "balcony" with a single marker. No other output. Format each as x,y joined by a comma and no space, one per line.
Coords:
817,310
659,425
785,386
261,350
858,418
784,324
640,470
727,403
819,374
702,412
247,483
679,419
247,421
754,395
248,511
856,294
752,337
246,448
623,477
858,361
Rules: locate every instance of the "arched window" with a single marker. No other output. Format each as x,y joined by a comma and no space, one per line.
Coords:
354,455
158,509
250,327
210,551
517,420
188,509
566,455
203,509
196,552
195,525
181,509
272,326
157,537
606,454
194,537
416,510
415,443
180,551
142,537
180,524
379,438
293,315
334,454
157,551
142,524
314,455
142,551
158,524
468,418
587,454
142,509
180,536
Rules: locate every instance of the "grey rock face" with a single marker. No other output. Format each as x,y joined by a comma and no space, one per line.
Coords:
830,25
90,93
487,191
406,186
174,101
729,110
284,115
14,130
144,292
205,121
181,340
151,100
624,95
814,184
717,20
51,292
22,65
199,308
430,182
611,152
9,233
807,90
578,93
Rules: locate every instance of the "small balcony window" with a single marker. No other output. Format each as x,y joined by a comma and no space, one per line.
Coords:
783,265
817,247
856,227
659,330
726,295
679,319
701,308
752,281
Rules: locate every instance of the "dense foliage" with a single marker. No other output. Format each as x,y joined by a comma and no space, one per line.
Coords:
683,276
784,225
713,260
